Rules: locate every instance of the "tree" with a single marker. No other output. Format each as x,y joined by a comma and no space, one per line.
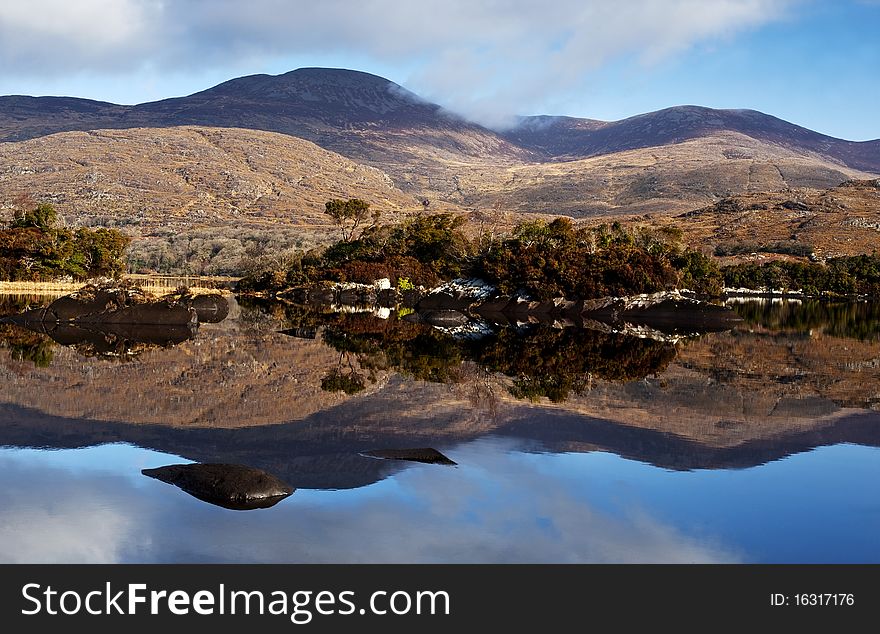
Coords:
34,248
349,214
42,217
101,251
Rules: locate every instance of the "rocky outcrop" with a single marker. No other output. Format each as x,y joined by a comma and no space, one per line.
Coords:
111,305
232,486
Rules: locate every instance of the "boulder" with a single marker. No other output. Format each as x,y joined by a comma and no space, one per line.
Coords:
211,308
232,486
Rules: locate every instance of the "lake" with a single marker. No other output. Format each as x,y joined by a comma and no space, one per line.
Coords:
551,442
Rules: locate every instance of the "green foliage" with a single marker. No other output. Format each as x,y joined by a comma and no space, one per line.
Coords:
348,214
25,345
42,216
34,249
435,240
405,284
545,260
843,276
40,354
337,381
423,249
560,260
785,248
698,272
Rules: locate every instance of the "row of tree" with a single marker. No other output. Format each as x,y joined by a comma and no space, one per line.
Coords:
843,276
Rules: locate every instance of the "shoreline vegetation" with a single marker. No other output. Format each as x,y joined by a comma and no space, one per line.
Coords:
546,261
537,261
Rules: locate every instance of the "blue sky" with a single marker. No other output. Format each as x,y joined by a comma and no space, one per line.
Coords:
811,62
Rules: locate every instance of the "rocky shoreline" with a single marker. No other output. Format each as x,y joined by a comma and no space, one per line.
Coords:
455,301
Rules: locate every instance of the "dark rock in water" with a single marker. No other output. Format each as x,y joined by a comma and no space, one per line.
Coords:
388,297
410,298
111,305
444,301
321,296
426,455
232,486
210,309
117,339
444,318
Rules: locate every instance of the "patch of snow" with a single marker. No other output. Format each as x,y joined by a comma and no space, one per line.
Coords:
350,308
764,291
645,332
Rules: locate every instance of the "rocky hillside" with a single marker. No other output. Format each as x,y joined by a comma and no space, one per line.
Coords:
671,160
662,180
223,183
842,220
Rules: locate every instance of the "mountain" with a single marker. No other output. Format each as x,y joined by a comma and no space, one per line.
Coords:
360,115
178,176
557,137
203,198
668,161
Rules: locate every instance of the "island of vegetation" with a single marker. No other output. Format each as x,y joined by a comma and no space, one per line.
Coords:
546,260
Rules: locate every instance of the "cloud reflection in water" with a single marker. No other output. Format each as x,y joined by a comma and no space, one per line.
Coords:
501,505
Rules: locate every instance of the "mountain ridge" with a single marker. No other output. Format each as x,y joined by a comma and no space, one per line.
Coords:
307,101
667,162
584,138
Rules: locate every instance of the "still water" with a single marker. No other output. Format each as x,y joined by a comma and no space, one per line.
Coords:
570,442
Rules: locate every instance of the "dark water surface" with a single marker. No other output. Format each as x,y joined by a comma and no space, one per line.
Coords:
551,442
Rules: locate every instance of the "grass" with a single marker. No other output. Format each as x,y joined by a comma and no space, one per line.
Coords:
157,285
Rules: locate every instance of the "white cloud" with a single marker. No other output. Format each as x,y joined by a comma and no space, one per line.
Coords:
487,59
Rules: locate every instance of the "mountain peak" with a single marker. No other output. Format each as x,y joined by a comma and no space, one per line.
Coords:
332,87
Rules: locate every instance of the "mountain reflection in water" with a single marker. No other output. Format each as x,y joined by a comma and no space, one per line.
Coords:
314,405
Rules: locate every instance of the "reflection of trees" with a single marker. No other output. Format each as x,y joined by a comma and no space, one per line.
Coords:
853,320
415,350
542,361
552,362
36,342
25,345
345,377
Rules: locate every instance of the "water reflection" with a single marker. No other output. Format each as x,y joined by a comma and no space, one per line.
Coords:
726,439
330,449
852,320
549,360
30,337
501,505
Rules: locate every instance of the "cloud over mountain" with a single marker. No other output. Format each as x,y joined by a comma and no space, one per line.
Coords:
487,59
